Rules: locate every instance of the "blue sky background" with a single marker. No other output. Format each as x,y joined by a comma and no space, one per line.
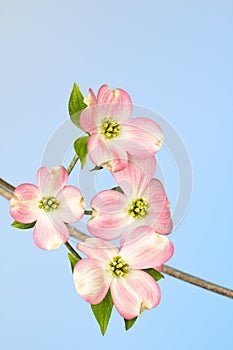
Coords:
174,57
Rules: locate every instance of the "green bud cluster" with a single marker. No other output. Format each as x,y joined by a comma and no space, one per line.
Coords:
138,208
110,128
49,203
118,267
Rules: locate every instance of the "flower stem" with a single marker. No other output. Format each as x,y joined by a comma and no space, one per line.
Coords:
167,269
3,183
5,193
72,164
198,281
73,252
88,212
77,234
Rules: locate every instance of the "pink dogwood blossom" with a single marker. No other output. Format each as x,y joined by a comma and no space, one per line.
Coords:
132,289
143,202
51,205
113,134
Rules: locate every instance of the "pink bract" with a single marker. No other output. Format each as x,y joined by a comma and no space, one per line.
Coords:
114,135
132,289
51,205
115,213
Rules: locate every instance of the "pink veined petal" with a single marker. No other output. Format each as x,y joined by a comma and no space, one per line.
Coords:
110,217
135,176
107,153
137,234
133,225
106,95
90,119
134,294
50,231
107,227
115,103
159,216
92,279
50,182
152,127
109,201
90,100
98,249
138,140
145,249
162,223
72,204
24,203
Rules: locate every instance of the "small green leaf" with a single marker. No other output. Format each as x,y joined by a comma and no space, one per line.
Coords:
117,188
73,261
76,102
154,273
102,312
23,226
75,118
76,105
80,147
129,323
97,168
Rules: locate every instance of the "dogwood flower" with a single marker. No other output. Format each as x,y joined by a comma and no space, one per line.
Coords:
143,202
113,134
132,289
51,205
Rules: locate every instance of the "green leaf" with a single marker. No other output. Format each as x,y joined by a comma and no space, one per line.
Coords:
117,188
154,273
102,312
76,102
129,323
97,168
75,118
73,261
23,226
80,147
76,105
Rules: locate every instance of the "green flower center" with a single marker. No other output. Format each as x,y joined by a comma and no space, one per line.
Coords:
49,203
110,128
138,208
118,267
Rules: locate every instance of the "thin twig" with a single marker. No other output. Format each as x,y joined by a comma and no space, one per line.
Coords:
72,164
71,249
198,282
88,212
7,185
5,193
77,234
167,269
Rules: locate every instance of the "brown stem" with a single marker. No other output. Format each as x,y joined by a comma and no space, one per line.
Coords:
73,252
88,212
77,234
167,269
3,183
198,281
72,164
5,193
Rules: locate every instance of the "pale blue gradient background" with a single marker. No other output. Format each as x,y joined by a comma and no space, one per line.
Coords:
172,56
